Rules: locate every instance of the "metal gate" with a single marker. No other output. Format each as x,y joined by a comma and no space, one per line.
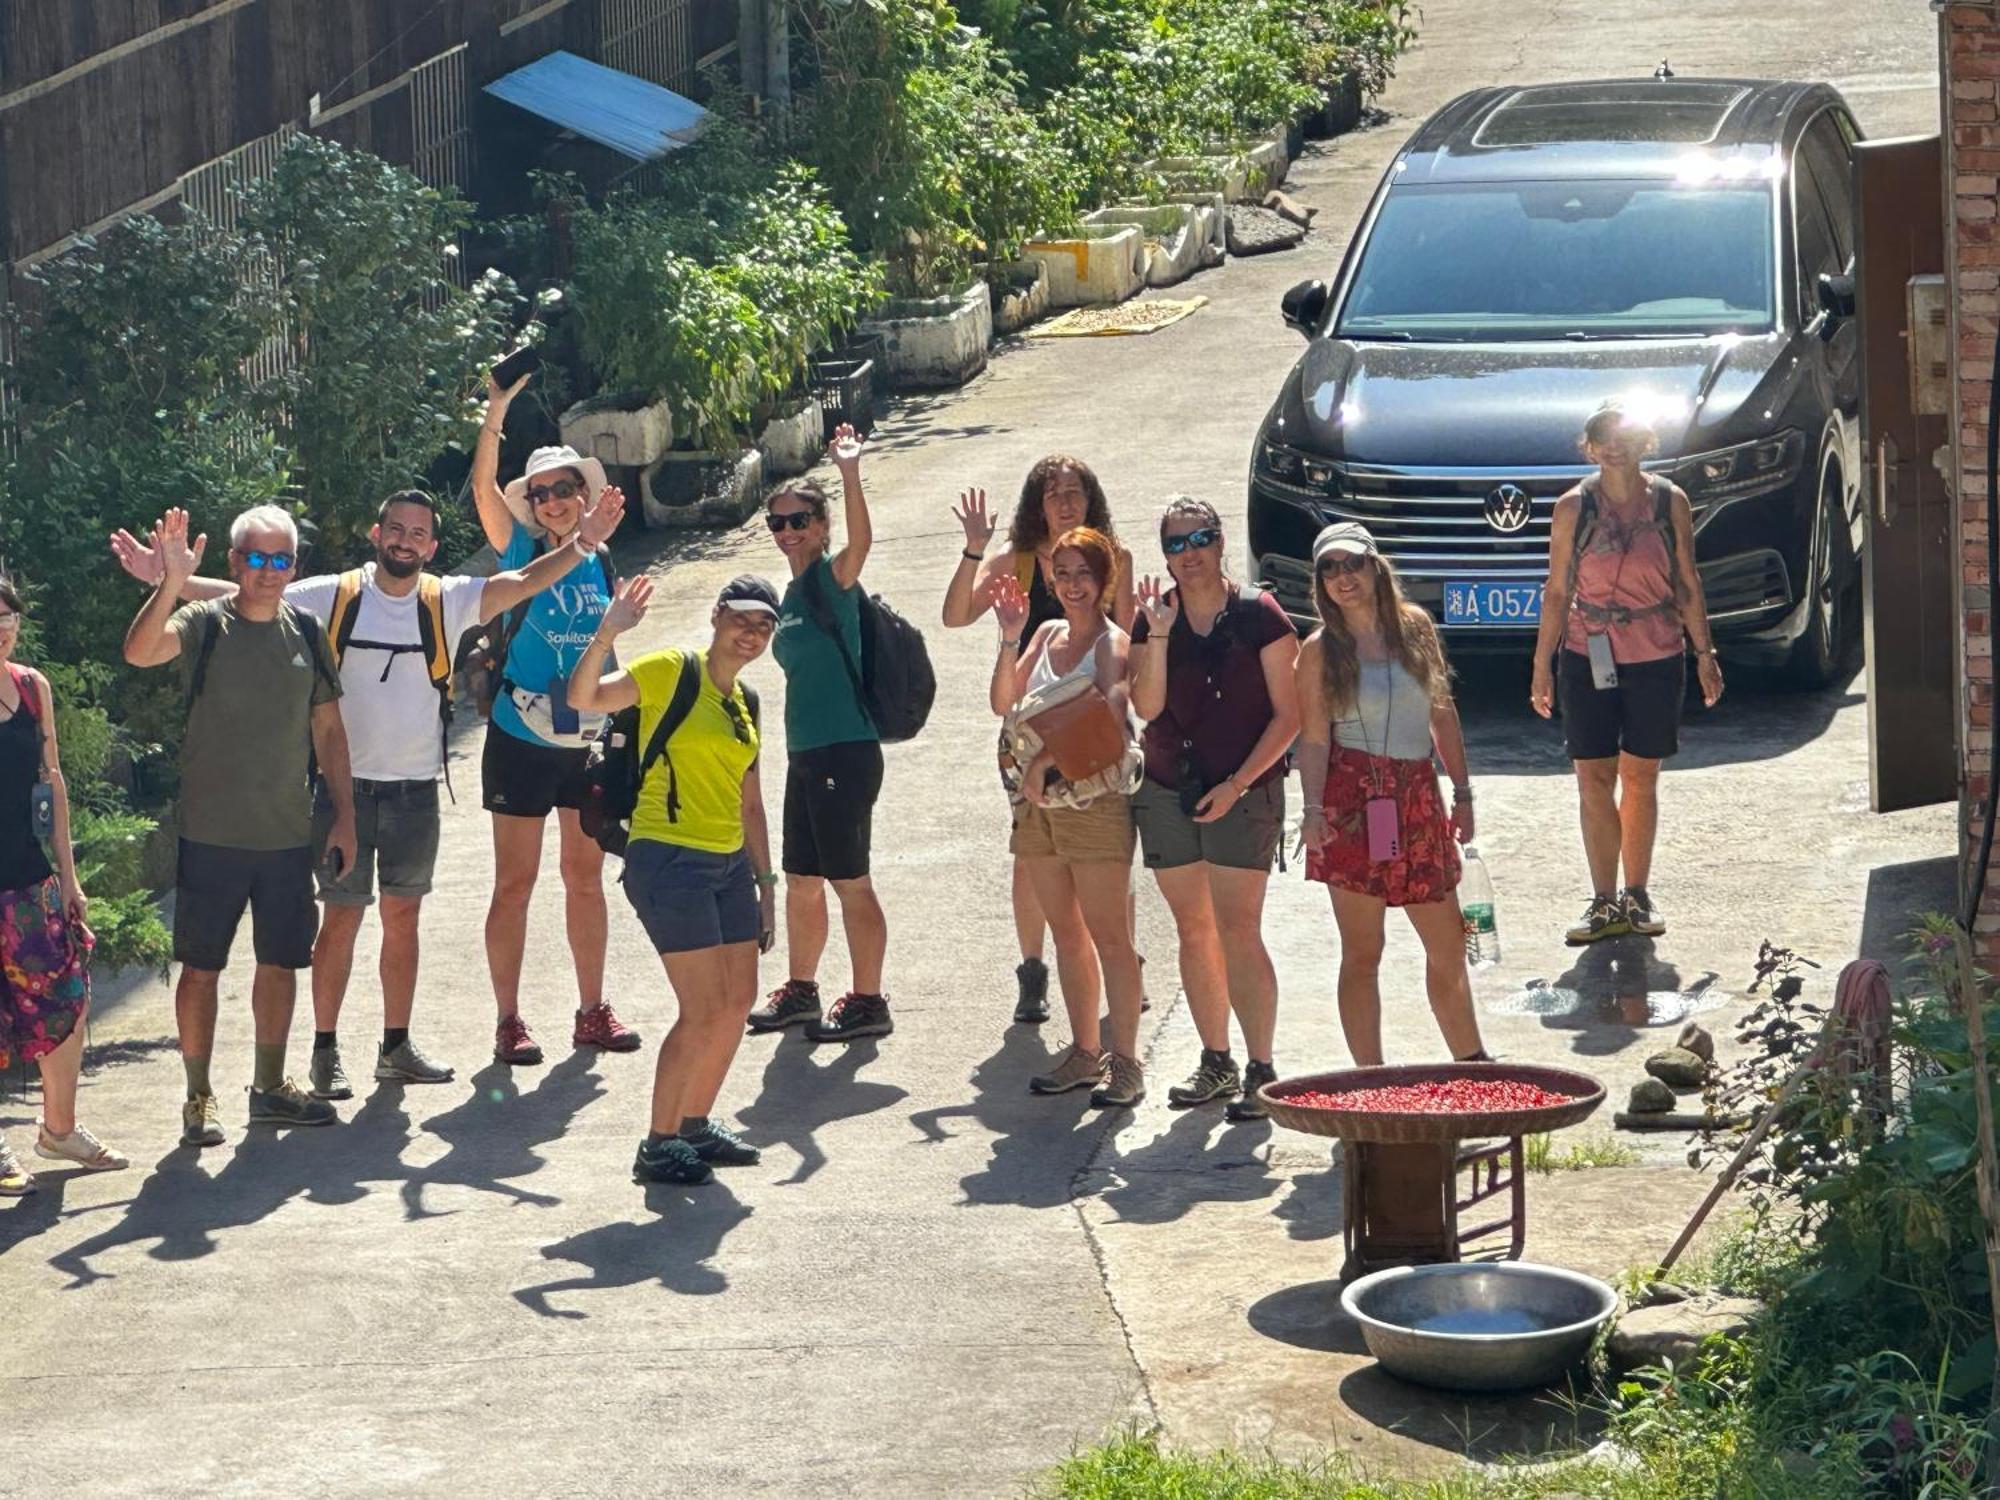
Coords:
215,192
441,134
650,39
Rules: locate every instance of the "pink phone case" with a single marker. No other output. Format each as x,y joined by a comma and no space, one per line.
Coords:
1385,831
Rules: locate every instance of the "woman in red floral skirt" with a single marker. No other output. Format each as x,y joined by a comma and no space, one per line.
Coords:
1374,702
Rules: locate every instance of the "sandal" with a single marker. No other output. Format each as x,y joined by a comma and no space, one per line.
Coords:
79,1148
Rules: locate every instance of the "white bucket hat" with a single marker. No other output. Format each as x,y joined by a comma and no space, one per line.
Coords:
541,461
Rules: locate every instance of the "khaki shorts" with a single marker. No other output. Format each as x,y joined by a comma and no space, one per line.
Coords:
1101,833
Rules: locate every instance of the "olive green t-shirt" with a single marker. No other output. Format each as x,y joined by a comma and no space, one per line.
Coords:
249,735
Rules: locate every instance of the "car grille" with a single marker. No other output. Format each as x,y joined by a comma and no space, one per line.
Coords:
1432,523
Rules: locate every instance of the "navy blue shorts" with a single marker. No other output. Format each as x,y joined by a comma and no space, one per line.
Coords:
689,898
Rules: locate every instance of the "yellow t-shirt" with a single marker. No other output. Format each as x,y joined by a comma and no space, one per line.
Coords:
709,759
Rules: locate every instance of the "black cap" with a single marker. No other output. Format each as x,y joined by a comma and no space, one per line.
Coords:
749,593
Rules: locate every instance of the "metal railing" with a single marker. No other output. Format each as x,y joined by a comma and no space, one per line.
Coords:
650,39
441,133
215,191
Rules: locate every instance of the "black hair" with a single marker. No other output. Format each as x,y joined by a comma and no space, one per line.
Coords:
410,497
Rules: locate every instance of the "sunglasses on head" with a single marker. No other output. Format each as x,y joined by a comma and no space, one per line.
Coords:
1200,539
778,520
277,562
1337,564
562,489
737,723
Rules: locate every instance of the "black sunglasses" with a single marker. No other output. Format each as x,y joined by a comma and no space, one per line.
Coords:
562,489
1337,564
1200,539
737,722
778,520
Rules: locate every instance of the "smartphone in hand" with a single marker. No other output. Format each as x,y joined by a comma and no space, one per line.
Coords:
523,361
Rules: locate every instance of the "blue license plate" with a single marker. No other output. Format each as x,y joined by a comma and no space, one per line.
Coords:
1477,603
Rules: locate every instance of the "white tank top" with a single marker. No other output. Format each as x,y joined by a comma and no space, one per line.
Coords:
1044,675
1390,715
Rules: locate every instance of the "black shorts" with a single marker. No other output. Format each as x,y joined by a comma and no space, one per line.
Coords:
214,884
1640,717
524,780
830,809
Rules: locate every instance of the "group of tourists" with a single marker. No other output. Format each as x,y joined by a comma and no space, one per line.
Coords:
1156,714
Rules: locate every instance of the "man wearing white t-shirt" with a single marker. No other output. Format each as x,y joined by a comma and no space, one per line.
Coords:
390,709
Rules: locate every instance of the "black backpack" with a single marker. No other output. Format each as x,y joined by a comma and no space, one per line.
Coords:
614,771
894,682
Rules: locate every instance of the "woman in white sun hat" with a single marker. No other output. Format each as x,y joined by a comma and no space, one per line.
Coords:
536,743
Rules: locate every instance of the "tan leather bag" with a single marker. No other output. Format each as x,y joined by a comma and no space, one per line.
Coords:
1094,752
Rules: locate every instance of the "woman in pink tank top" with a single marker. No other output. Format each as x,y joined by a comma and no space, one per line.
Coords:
1622,599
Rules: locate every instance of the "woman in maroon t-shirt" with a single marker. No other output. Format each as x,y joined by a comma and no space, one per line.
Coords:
1212,673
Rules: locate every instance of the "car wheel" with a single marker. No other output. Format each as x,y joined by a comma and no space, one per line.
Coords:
1819,653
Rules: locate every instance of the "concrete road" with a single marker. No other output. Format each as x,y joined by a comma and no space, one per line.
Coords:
934,1285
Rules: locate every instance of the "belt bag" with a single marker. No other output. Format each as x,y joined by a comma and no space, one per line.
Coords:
537,713
1093,750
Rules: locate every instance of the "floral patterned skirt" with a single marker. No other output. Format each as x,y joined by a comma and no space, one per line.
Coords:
1427,869
44,972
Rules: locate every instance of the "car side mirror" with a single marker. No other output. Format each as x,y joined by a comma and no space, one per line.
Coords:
1304,306
1836,300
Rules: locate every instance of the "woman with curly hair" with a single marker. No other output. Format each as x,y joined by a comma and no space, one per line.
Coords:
1060,493
1374,705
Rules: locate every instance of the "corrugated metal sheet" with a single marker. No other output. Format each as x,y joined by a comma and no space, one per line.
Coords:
637,119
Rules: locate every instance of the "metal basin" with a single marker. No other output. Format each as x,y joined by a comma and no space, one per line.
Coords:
1479,1327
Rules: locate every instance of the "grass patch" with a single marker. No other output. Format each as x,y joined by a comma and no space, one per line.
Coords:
1539,1154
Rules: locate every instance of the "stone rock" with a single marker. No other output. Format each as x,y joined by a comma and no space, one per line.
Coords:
1650,1097
1674,1331
1678,1068
1287,207
1664,1294
1254,231
1695,1038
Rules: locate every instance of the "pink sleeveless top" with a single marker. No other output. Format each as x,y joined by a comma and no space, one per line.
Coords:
1625,583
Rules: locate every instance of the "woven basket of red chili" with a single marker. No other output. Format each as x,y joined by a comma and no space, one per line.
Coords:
1433,1102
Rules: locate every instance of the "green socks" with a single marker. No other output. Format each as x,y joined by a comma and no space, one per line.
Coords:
270,1067
197,1075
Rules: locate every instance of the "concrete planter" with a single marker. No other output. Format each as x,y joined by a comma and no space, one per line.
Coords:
1176,239
702,488
1342,111
935,343
791,441
1268,164
1101,263
1226,173
1212,220
1021,294
629,438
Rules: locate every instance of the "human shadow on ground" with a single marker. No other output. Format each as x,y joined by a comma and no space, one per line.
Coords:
493,1135
674,1249
806,1091
1039,1142
1201,1158
1613,994
1315,1208
1526,1425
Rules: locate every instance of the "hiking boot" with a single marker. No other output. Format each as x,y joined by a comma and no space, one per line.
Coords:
1249,1106
79,1148
514,1045
1214,1077
288,1104
201,1122
1603,918
1125,1086
1079,1069
853,1017
671,1160
327,1076
405,1063
787,1005
16,1181
596,1026
720,1146
1640,914
1032,1006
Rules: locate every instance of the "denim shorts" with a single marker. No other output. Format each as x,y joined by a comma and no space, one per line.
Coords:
395,827
689,898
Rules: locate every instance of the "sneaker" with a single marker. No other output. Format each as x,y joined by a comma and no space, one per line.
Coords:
1249,1106
1640,914
405,1063
514,1044
328,1077
16,1181
787,1005
597,1026
201,1122
1214,1077
81,1148
1079,1069
1032,1006
720,1146
853,1017
671,1160
1603,918
1124,1088
288,1104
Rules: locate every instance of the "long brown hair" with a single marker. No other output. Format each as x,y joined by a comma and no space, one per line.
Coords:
1030,527
1411,638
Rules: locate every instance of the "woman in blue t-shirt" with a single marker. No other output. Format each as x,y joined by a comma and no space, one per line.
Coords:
536,743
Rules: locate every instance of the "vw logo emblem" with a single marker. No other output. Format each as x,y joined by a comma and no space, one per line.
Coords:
1508,508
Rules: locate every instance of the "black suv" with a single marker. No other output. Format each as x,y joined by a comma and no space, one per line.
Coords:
1686,245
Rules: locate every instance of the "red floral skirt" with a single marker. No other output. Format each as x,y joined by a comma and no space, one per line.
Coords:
1427,870
44,972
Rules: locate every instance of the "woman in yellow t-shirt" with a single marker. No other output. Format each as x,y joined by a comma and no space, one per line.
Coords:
698,867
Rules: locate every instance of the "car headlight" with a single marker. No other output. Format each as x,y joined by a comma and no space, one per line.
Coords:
1746,469
1296,469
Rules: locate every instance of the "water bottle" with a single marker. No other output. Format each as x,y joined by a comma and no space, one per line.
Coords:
1475,900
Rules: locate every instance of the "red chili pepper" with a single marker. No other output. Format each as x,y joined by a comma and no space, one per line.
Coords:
1448,1096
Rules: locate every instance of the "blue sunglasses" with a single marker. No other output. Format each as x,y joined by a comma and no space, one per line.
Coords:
277,562
1202,539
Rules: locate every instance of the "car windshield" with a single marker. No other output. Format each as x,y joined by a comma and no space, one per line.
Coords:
1540,260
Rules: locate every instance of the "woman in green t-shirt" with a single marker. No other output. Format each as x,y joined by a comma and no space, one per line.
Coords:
698,867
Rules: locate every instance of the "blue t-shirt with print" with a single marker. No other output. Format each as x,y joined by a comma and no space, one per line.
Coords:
551,641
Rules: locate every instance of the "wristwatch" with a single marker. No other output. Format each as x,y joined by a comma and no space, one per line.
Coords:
767,878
